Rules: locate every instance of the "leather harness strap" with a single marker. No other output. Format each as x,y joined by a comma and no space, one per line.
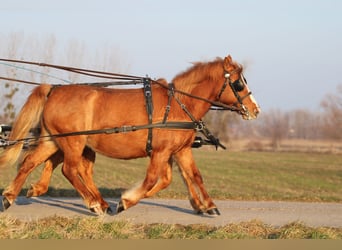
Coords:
196,125
149,108
115,130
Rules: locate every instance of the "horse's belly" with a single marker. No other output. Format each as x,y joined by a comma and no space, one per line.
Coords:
121,146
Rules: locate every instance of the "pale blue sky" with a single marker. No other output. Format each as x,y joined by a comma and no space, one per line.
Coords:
293,48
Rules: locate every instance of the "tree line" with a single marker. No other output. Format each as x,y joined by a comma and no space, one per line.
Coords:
277,125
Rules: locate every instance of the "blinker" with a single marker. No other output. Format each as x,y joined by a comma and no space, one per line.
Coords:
238,85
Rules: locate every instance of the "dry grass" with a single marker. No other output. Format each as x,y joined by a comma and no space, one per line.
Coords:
288,145
93,228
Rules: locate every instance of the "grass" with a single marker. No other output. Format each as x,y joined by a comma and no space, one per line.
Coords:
93,228
313,177
274,176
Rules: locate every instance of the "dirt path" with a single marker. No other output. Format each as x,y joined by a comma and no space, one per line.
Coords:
180,212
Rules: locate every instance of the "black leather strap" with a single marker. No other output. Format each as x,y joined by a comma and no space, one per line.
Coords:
149,109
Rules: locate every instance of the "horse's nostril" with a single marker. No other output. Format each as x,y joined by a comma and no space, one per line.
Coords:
256,111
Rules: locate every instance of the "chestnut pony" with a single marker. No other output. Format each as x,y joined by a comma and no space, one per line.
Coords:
65,110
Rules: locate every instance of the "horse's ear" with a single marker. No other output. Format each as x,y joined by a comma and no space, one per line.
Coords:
228,60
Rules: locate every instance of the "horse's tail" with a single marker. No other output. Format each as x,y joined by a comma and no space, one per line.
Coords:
28,117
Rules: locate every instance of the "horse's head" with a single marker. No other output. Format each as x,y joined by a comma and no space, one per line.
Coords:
235,90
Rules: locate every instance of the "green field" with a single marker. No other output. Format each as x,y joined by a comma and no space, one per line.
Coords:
227,175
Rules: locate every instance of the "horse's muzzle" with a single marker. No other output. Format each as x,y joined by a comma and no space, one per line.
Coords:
247,115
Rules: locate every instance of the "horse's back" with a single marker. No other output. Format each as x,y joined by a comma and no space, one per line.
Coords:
75,107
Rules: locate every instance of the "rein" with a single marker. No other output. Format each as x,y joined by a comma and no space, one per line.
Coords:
199,126
81,71
126,80
214,103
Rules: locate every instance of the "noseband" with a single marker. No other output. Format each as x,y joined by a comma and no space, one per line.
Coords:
236,87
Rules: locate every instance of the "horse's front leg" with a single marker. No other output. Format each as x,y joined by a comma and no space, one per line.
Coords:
159,161
199,197
164,179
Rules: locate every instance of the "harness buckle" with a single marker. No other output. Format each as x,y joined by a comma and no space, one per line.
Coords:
147,93
199,126
4,143
125,129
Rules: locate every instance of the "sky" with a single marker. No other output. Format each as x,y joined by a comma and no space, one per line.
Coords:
292,50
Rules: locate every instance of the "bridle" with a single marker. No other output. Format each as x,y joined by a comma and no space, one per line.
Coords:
236,87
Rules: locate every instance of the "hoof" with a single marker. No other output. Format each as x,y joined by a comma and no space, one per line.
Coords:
35,191
214,212
97,210
199,212
30,193
120,207
5,204
109,211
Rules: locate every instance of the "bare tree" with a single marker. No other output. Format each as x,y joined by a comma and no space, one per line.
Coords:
74,54
48,54
275,126
332,117
304,124
10,88
223,124
46,49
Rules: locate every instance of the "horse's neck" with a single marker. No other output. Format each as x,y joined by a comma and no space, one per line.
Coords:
202,80
198,108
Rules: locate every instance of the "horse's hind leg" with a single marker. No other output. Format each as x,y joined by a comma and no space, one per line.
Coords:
73,150
44,150
41,187
199,198
69,170
85,172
